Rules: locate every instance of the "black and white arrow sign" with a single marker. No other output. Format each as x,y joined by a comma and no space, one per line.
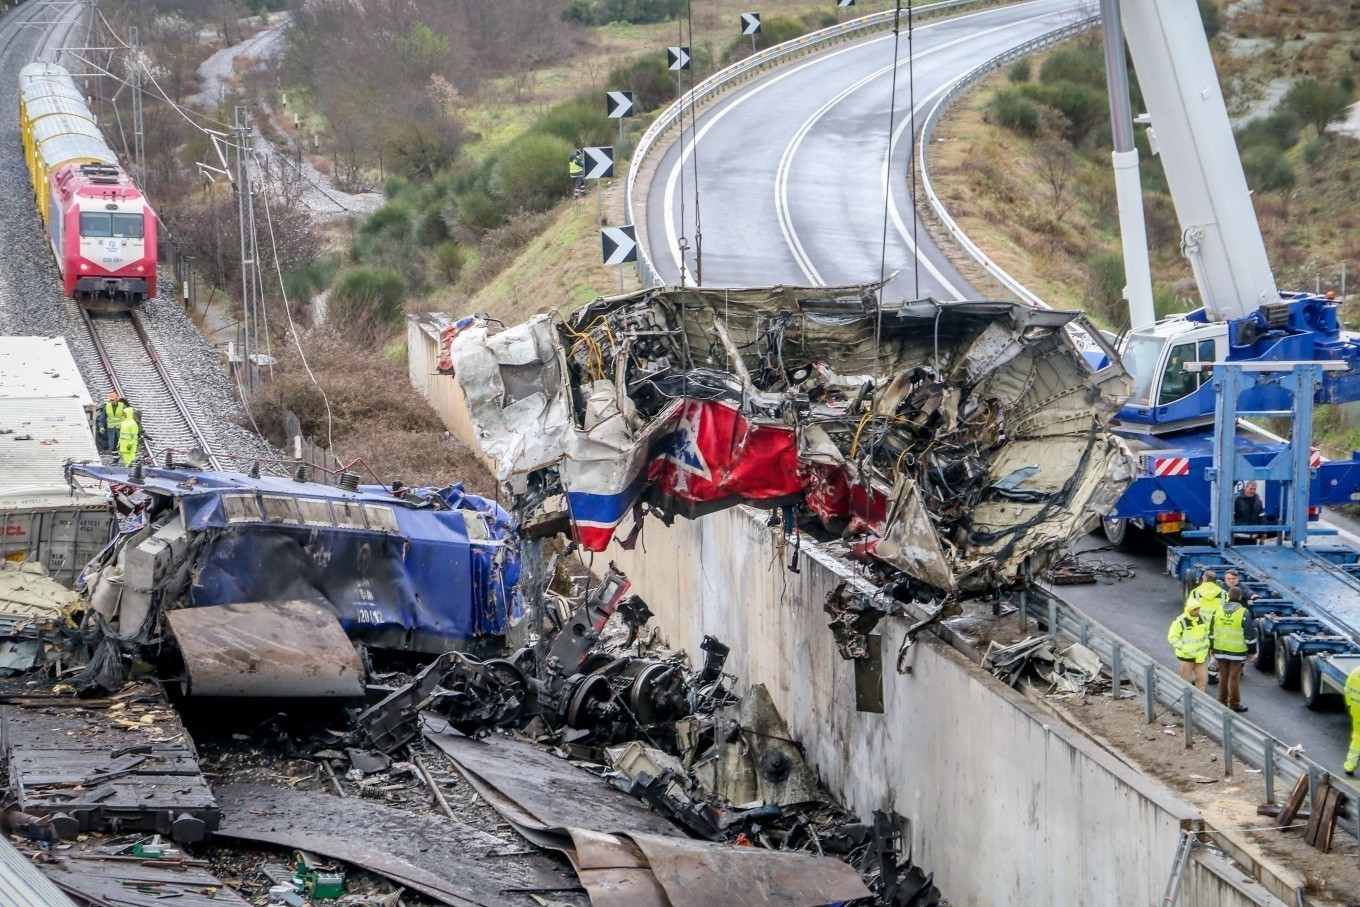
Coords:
750,23
619,244
619,104
677,58
599,162
841,4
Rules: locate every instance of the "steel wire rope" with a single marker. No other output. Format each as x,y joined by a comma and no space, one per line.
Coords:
694,154
292,327
680,94
887,184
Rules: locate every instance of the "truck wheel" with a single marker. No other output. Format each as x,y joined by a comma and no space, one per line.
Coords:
1315,694
1265,647
1287,667
1114,529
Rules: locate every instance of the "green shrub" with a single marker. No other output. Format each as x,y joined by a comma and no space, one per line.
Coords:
579,122
1313,151
475,210
366,295
773,30
1015,112
1316,103
1105,278
652,84
448,261
395,186
602,12
1266,169
1208,14
393,220
1082,106
1280,131
1079,65
430,228
532,174
1020,71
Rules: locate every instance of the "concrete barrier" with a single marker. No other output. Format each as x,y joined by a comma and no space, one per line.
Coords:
1007,804
442,391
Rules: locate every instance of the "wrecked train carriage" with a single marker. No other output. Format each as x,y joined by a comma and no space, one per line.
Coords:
427,576
961,443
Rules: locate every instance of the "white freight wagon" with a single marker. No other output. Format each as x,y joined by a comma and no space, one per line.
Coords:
46,421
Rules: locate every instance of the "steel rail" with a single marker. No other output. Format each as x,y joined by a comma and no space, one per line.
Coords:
152,358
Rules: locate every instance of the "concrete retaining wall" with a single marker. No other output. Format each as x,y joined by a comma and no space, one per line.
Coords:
1007,806
442,391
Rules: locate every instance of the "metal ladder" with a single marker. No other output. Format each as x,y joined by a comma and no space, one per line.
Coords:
1173,884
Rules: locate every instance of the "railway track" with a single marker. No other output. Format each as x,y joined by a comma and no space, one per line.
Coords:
170,421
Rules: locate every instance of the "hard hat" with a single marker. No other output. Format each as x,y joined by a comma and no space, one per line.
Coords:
113,395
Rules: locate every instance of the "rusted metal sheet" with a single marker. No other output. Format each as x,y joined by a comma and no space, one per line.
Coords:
551,791
293,648
129,767
623,853
442,858
22,885
139,883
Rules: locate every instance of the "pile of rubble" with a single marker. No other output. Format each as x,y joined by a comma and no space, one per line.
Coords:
961,444
626,775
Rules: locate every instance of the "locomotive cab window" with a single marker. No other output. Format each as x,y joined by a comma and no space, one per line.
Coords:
97,223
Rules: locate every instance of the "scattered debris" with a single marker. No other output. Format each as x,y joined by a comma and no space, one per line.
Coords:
1069,671
962,444
440,857
113,874
128,767
32,609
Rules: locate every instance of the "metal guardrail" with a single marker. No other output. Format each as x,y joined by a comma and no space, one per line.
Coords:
740,72
1161,687
981,261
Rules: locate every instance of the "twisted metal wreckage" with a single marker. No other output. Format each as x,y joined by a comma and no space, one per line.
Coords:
961,443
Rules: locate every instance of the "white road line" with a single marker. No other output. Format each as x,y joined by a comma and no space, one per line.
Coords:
673,177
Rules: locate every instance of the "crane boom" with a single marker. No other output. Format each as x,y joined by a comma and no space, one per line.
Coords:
1191,132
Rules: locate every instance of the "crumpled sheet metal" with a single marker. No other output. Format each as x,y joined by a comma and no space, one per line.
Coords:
138,883
439,857
694,399
293,648
638,864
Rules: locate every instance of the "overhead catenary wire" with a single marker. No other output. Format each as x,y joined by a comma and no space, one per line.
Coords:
887,184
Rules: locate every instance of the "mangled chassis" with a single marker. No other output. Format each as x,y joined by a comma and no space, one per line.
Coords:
961,443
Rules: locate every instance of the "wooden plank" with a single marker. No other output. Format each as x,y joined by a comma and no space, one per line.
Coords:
1294,802
1310,831
1331,810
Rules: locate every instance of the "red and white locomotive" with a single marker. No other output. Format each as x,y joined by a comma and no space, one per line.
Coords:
102,231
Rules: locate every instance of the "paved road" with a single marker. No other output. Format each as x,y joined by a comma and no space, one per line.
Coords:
791,170
1142,608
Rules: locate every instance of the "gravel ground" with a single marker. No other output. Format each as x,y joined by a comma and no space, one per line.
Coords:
217,71
31,298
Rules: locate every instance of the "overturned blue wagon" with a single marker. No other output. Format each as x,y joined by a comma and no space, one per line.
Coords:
425,571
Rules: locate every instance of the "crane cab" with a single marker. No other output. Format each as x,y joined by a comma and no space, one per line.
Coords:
1166,395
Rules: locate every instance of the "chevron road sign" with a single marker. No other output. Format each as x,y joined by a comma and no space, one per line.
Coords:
619,244
619,104
750,23
599,162
841,4
677,58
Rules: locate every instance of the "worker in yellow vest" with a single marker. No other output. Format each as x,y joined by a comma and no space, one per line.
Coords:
1353,703
1189,638
129,436
113,412
1232,635
1208,593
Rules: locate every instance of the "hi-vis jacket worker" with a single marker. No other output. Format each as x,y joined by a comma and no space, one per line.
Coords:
1189,638
129,435
1353,704
576,169
1208,593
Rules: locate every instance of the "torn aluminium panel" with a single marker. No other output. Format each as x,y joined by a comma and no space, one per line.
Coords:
427,575
961,443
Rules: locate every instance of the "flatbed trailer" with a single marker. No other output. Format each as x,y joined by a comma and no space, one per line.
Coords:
1306,608
1307,615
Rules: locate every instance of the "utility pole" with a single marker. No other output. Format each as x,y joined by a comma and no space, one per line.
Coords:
245,209
138,142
